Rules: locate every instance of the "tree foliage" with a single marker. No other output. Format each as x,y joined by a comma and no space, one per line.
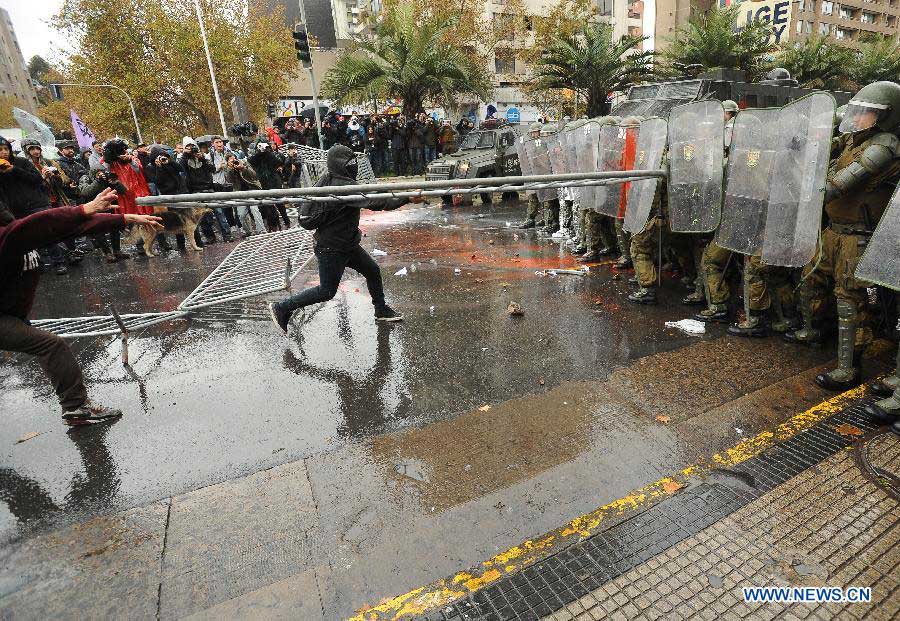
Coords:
879,59
818,62
410,56
713,41
590,63
7,103
152,49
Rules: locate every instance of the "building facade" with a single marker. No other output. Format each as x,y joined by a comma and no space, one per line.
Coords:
848,21
14,79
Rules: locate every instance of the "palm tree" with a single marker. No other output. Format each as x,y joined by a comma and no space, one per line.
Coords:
590,63
817,62
879,59
713,41
410,57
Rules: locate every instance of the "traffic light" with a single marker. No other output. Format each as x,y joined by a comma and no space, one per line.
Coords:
301,43
271,110
56,92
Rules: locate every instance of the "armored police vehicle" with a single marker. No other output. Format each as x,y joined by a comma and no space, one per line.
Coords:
489,151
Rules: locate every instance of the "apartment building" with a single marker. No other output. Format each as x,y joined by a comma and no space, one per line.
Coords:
848,21
14,79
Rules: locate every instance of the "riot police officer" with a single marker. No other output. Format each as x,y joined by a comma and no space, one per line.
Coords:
856,194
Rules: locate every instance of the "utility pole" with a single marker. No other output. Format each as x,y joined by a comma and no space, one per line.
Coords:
212,72
304,55
56,91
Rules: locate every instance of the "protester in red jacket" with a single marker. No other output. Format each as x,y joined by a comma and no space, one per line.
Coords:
20,273
130,173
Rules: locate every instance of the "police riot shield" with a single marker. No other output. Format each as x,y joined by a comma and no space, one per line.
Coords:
586,138
610,151
651,143
776,181
751,163
880,263
556,150
539,153
794,216
696,161
524,160
570,144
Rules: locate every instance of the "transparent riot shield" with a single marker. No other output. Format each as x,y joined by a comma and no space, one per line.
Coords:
556,149
539,153
794,216
524,160
610,152
751,164
696,160
776,181
586,153
880,263
651,143
570,149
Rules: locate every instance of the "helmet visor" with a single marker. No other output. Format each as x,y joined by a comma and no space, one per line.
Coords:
861,116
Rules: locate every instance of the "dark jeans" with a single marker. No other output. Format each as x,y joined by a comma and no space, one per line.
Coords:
53,354
398,159
416,159
331,267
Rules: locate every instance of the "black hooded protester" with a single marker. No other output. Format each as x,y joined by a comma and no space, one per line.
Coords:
73,167
269,166
199,172
337,243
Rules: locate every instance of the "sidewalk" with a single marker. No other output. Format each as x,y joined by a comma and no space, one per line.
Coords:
782,518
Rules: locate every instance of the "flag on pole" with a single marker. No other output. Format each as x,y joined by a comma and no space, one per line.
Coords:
84,136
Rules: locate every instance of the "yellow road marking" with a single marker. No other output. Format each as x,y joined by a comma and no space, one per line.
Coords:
445,591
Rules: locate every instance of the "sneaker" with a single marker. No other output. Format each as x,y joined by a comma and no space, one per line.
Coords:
716,312
89,413
644,295
694,299
279,317
61,270
386,313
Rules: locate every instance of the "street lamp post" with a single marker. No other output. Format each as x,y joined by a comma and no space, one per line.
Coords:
212,72
137,128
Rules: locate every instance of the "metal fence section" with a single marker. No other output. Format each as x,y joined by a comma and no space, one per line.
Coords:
77,327
401,189
314,163
261,264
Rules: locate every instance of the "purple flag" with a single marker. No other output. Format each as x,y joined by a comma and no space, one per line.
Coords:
82,133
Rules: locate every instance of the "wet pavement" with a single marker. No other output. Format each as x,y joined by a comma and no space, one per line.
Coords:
399,454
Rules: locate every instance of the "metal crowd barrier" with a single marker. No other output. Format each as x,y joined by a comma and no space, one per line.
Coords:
401,189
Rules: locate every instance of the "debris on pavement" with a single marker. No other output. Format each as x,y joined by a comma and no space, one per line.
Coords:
457,271
378,253
689,326
29,436
401,272
484,408
514,310
848,431
715,582
662,419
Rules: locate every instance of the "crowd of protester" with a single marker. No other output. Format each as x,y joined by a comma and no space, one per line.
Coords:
395,144
30,182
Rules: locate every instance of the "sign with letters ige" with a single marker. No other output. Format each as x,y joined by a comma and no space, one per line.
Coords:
776,13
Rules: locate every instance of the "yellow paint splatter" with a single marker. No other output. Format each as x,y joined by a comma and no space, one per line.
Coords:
439,593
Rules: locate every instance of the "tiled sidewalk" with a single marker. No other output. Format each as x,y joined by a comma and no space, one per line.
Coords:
829,525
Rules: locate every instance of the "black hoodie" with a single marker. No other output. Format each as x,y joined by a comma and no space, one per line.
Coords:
337,222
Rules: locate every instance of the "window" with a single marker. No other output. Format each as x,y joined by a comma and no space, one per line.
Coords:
505,61
604,7
507,139
811,5
824,29
799,26
801,6
867,18
505,25
809,28
891,21
843,34
827,7
846,13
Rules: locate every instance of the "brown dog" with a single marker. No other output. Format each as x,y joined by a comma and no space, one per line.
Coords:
178,221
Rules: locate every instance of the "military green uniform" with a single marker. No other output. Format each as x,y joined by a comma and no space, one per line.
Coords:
857,193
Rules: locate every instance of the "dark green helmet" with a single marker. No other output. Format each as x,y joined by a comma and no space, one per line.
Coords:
730,106
875,105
